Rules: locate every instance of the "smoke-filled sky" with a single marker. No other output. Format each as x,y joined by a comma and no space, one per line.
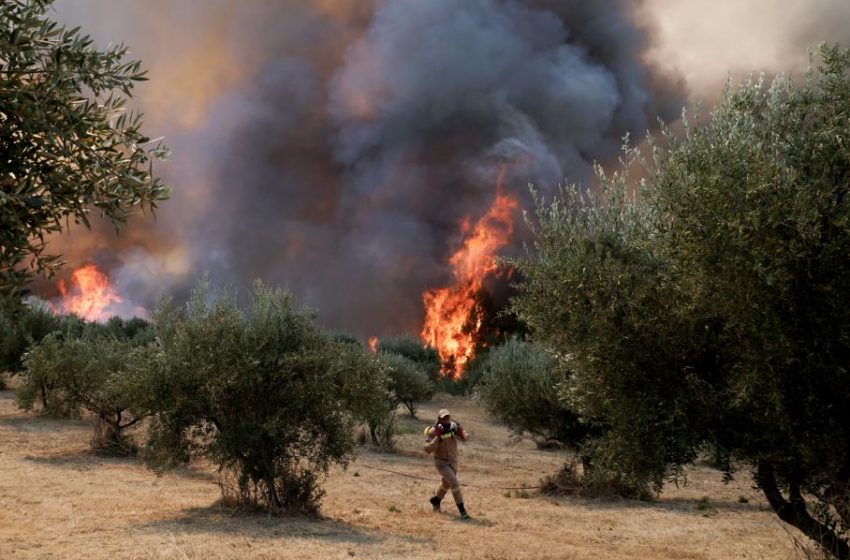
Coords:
334,146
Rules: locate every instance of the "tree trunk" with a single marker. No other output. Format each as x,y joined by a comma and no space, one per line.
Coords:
43,397
373,431
112,437
109,435
411,408
115,438
275,502
793,511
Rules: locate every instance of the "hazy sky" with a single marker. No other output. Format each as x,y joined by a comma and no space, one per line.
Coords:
706,39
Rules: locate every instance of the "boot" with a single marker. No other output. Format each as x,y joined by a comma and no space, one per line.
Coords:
435,503
463,513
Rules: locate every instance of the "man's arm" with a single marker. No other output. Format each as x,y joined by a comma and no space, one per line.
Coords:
462,434
432,439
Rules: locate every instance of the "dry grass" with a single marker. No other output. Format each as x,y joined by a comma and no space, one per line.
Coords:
59,501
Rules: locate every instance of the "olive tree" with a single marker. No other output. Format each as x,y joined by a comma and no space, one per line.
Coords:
97,374
408,383
413,349
20,328
262,392
711,304
520,385
69,144
755,207
596,294
364,383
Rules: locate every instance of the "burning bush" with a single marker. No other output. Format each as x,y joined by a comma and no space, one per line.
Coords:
263,393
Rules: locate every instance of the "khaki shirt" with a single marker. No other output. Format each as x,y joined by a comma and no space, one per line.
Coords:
444,448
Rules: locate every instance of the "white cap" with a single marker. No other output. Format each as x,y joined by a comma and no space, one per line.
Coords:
443,413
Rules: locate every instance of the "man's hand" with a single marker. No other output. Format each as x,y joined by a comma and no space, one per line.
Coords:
438,431
461,433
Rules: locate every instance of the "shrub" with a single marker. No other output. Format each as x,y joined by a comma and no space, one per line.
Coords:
135,330
45,367
520,385
571,480
413,349
96,374
408,384
257,392
20,328
363,381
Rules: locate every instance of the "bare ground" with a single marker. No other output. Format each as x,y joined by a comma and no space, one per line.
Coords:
58,501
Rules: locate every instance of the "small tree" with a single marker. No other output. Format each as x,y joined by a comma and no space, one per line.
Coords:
96,374
69,144
408,384
413,349
20,328
255,391
363,381
520,385
45,367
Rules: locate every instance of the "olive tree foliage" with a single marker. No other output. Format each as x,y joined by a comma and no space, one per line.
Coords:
31,324
713,308
413,349
776,254
262,392
136,330
68,143
408,383
598,295
520,385
364,382
98,374
20,328
45,367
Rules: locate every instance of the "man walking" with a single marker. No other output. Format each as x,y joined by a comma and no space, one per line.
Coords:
441,440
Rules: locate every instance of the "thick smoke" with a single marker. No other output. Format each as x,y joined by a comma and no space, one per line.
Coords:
336,149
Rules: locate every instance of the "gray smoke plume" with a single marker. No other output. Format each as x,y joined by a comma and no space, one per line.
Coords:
335,149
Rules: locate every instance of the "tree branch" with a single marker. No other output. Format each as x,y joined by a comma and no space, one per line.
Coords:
793,511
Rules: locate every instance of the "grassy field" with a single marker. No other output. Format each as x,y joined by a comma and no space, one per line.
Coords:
57,501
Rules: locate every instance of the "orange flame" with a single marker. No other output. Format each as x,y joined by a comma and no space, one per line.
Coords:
373,344
90,296
448,310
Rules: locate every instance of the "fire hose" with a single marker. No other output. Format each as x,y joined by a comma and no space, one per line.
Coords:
408,475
